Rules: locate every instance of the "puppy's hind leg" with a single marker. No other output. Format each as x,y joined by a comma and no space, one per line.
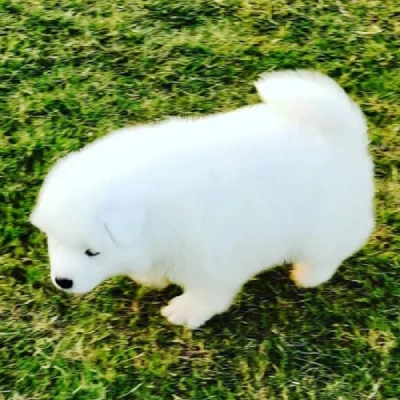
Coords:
311,274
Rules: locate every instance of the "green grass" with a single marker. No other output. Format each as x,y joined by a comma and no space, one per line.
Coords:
72,70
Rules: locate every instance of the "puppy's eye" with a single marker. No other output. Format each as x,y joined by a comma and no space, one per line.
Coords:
91,253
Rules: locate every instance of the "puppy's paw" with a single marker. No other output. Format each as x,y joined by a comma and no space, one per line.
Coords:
304,276
189,310
307,276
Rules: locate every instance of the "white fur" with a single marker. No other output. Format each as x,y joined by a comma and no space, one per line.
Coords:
208,203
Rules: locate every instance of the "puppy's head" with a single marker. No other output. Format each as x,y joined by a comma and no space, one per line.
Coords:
93,232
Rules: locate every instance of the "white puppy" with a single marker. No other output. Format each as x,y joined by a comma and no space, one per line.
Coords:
208,203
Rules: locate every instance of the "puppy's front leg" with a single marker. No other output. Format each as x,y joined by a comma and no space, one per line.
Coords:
154,280
197,305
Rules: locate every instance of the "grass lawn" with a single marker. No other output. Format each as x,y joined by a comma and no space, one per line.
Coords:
72,70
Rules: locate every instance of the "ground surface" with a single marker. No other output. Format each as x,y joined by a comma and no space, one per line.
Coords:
71,70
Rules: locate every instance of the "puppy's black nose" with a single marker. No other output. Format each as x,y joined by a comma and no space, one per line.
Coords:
64,283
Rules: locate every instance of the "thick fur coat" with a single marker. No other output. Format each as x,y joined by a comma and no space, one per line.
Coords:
208,203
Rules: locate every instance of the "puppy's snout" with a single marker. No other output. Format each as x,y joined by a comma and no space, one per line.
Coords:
64,283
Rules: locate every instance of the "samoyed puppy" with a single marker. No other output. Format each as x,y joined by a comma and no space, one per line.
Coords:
208,203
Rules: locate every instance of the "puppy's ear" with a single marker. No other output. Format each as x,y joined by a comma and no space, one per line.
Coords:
122,225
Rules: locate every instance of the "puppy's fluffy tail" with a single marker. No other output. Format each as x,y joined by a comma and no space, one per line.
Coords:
312,99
